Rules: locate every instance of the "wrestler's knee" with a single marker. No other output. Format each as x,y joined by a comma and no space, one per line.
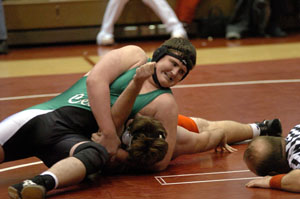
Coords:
71,153
92,155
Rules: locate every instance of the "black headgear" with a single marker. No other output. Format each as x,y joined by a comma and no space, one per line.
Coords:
186,54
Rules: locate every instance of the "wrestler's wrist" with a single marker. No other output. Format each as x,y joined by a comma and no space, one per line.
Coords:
109,134
275,181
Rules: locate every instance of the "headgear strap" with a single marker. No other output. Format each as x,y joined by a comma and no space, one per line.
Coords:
127,137
154,77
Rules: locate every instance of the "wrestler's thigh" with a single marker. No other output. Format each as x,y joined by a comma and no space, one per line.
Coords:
202,124
23,143
60,150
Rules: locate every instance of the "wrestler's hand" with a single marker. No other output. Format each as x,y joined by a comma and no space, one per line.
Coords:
223,146
144,72
110,143
260,182
121,155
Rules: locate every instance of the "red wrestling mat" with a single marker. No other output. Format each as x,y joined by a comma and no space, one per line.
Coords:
245,92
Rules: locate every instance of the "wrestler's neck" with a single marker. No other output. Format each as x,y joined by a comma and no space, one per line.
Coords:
148,86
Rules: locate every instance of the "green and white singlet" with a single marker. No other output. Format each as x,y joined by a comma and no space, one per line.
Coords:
77,95
49,130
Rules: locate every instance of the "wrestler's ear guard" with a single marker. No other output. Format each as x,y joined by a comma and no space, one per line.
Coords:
159,53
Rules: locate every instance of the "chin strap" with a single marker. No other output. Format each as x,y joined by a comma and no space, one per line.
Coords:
154,77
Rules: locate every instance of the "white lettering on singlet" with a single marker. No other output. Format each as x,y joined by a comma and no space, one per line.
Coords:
79,99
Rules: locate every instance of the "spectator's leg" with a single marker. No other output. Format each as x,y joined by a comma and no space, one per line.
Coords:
278,9
261,16
239,22
168,17
113,11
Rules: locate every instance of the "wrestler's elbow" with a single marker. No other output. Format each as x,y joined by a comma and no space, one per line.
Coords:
91,80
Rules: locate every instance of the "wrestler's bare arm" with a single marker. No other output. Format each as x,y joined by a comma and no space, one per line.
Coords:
290,182
123,106
166,112
99,78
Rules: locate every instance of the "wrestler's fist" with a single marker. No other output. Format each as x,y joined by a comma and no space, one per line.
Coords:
144,72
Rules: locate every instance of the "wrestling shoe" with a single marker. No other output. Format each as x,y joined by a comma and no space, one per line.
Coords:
26,190
270,127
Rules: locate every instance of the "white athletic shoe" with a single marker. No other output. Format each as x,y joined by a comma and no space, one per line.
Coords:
178,34
105,39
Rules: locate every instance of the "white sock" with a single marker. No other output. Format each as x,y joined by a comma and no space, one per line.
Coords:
255,129
53,175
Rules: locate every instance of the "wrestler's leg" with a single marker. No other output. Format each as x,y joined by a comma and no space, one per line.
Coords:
88,158
187,142
68,171
210,136
72,159
234,131
16,141
187,123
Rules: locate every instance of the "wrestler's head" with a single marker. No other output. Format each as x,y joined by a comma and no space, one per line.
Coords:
265,155
144,140
179,49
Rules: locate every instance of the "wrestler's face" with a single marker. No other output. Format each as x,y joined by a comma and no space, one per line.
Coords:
170,71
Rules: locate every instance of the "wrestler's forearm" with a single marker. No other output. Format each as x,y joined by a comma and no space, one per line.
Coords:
291,181
286,182
101,109
123,106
